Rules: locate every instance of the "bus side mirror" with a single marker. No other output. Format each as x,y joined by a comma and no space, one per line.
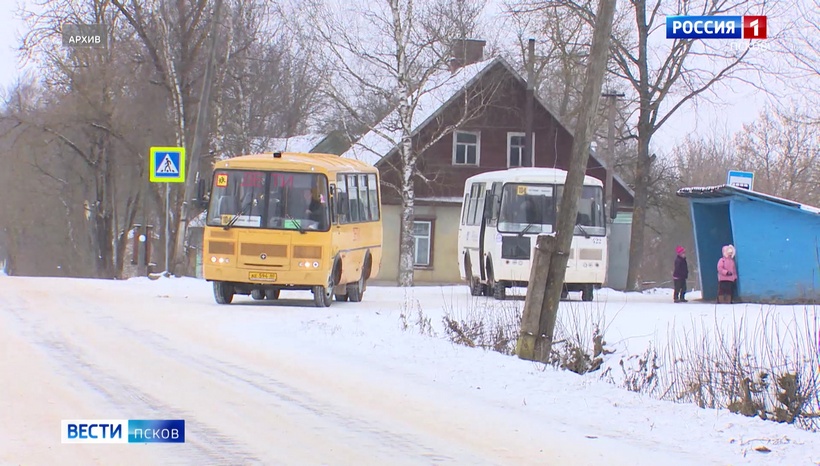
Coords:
613,210
201,194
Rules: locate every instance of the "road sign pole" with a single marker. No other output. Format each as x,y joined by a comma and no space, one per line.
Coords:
167,165
167,226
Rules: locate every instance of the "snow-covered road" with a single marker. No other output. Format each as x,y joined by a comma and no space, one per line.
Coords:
259,383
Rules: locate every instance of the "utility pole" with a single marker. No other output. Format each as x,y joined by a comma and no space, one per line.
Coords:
196,148
536,343
528,158
612,98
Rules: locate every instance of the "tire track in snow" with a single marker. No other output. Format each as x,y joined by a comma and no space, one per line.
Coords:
74,364
270,386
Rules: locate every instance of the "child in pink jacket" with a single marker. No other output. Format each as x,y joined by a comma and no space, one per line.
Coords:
727,275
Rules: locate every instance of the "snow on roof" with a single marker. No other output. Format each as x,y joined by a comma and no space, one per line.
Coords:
303,143
725,190
436,93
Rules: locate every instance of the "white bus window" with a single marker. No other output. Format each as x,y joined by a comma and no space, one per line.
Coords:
529,208
590,217
476,204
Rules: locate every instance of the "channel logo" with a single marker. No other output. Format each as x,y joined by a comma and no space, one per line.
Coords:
716,27
122,431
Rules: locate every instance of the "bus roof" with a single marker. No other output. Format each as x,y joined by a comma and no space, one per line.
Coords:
530,175
295,161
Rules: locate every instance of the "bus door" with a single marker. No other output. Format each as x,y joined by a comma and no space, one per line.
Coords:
489,222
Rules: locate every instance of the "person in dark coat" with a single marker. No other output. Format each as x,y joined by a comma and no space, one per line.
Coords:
680,274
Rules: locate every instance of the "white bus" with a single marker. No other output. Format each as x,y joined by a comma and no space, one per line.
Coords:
503,213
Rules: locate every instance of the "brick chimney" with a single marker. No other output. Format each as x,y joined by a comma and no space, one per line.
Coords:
466,52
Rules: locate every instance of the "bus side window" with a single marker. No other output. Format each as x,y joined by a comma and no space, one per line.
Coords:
353,196
364,199
341,199
465,207
331,204
373,194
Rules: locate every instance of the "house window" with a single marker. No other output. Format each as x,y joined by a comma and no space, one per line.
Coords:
466,148
423,236
515,150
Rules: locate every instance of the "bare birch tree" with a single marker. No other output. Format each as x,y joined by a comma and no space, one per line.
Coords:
392,55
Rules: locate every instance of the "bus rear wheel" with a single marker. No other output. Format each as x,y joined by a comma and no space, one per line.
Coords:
223,293
272,294
355,291
258,294
499,290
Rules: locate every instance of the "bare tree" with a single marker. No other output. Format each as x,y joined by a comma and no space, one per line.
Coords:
560,64
394,55
665,76
801,48
87,88
784,152
173,35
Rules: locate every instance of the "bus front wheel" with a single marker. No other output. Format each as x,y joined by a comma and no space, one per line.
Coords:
322,296
476,287
258,294
223,293
586,293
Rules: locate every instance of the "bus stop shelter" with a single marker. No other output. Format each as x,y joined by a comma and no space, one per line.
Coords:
777,243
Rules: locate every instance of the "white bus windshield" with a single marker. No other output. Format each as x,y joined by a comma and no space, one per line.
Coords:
527,208
532,209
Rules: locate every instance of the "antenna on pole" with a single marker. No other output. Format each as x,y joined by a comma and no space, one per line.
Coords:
528,158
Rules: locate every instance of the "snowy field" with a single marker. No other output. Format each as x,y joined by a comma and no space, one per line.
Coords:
286,383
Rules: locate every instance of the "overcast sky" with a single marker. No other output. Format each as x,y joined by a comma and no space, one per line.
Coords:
742,103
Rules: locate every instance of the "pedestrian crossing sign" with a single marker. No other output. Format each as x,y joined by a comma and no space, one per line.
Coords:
167,165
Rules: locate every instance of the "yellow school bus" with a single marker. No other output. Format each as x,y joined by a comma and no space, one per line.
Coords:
293,221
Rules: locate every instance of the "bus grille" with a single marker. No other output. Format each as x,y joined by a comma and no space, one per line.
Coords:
220,247
307,252
591,254
515,247
270,250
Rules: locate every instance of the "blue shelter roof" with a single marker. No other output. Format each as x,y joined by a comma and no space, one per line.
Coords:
724,190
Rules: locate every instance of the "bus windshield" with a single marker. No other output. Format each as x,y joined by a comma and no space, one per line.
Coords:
527,208
276,200
590,218
530,208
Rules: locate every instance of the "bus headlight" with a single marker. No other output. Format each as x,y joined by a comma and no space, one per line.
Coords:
213,258
301,264
315,265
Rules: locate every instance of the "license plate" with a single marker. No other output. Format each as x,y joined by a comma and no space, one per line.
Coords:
262,276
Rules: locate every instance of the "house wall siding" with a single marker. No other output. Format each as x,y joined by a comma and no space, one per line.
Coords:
445,242
502,115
